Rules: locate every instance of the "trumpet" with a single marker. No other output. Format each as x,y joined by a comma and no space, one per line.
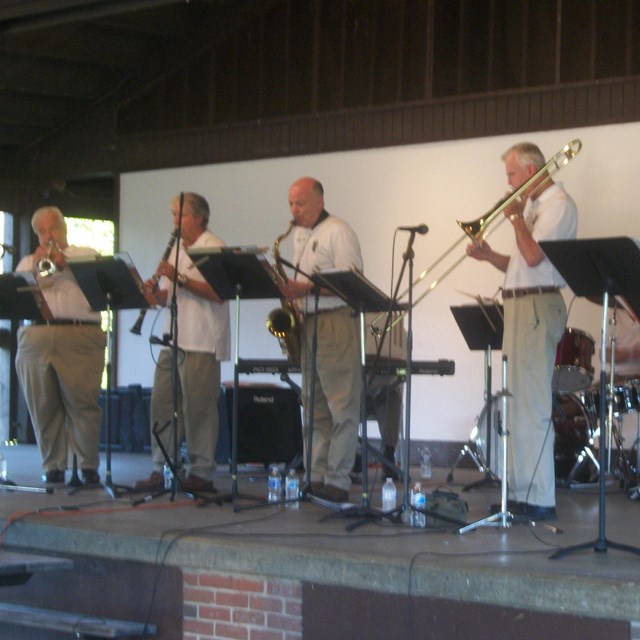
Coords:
477,230
46,266
137,325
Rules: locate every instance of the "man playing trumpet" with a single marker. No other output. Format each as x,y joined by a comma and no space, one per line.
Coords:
59,362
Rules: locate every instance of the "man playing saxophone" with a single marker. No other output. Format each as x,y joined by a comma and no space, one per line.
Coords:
59,362
323,241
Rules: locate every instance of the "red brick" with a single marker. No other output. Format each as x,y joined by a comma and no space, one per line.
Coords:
231,631
285,588
275,621
267,604
247,584
245,616
293,607
215,580
190,578
232,599
265,634
198,627
198,595
215,613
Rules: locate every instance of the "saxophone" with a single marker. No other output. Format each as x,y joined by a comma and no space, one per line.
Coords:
284,321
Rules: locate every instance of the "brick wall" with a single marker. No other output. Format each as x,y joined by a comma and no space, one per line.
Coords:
218,605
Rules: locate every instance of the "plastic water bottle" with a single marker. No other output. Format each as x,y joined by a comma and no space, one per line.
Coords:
418,500
388,495
425,462
274,485
168,476
292,490
3,467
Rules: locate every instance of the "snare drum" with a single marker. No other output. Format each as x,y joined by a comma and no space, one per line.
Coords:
573,370
624,400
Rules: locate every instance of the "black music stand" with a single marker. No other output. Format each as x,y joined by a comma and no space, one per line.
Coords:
240,273
21,299
363,296
482,327
108,283
594,267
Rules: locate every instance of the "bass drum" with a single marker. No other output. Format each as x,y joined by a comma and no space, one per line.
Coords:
572,430
573,435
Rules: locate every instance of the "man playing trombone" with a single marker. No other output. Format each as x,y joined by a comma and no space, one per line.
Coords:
534,320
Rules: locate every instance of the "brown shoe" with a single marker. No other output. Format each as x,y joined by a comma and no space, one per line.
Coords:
194,484
332,493
155,482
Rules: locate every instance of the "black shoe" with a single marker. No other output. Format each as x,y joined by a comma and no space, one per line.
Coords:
536,513
517,508
527,512
56,476
90,477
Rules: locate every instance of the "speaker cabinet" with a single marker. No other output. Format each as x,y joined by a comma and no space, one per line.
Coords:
269,424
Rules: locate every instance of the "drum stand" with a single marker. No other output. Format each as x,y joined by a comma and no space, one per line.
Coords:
503,518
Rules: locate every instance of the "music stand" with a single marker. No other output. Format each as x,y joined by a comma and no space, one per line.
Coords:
240,273
109,283
21,299
363,296
594,267
482,327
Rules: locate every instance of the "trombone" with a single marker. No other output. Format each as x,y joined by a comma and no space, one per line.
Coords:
476,230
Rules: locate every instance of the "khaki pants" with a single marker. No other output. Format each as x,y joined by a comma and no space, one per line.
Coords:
337,395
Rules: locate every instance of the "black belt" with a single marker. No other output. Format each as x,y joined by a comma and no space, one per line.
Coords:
527,291
77,323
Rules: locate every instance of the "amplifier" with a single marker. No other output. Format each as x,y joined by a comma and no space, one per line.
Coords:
269,424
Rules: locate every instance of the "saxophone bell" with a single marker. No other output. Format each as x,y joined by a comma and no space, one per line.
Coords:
284,322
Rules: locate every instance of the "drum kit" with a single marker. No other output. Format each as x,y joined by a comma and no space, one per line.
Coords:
576,409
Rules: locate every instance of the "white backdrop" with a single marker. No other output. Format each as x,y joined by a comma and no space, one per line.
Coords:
376,191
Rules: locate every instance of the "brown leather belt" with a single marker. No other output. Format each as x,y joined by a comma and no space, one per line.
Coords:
527,291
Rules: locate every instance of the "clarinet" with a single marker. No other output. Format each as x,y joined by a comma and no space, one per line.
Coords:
137,327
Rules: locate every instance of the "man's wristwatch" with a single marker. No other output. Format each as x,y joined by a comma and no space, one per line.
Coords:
181,279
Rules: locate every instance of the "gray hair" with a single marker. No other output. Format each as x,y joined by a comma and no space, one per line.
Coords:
527,154
199,206
42,211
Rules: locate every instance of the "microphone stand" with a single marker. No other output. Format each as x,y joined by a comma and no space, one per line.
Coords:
407,258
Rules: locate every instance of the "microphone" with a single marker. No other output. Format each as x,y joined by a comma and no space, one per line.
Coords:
419,228
165,341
